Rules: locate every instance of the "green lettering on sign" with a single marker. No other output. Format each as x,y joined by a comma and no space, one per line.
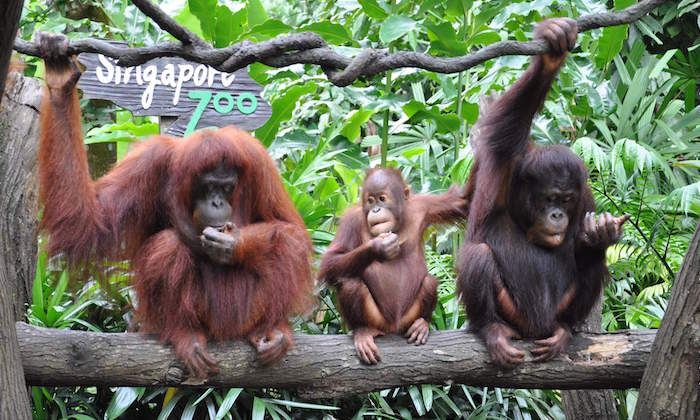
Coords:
205,96
229,102
247,109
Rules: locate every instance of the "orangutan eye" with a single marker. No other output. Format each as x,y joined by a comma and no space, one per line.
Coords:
370,200
382,198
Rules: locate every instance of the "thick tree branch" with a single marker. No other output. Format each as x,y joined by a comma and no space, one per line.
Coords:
309,48
169,24
322,366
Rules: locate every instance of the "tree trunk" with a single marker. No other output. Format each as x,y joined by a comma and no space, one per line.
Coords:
10,11
19,129
325,366
14,401
594,403
671,384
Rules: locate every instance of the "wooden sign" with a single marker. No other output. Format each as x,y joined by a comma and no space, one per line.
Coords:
198,95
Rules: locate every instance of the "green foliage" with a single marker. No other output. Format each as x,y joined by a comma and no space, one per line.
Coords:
626,102
282,108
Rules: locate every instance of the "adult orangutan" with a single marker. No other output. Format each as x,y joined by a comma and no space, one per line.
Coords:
534,260
217,248
376,261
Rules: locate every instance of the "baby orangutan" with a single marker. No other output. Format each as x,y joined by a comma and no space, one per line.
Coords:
376,261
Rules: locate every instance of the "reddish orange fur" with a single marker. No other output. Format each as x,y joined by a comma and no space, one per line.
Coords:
141,211
16,65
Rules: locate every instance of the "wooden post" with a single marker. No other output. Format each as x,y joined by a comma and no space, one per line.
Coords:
671,383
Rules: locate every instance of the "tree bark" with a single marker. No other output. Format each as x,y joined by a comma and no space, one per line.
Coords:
10,12
594,403
322,366
19,129
671,384
14,401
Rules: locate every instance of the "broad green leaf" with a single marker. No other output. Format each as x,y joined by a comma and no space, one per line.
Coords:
417,400
458,8
443,395
501,15
661,64
269,29
688,163
484,38
331,32
227,402
643,27
405,413
690,89
74,309
610,44
202,9
258,72
604,130
369,141
417,90
282,108
623,4
136,130
229,26
412,107
394,27
122,149
121,401
427,391
413,152
443,39
57,294
38,286
256,13
373,9
297,404
190,409
352,126
688,5
170,406
470,112
636,91
187,19
386,408
622,70
276,413
417,111
258,409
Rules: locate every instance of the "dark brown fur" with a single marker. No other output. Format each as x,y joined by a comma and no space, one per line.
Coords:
512,287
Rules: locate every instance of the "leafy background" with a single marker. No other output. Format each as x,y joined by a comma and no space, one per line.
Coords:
626,102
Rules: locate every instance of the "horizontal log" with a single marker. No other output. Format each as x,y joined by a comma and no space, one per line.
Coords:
325,366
